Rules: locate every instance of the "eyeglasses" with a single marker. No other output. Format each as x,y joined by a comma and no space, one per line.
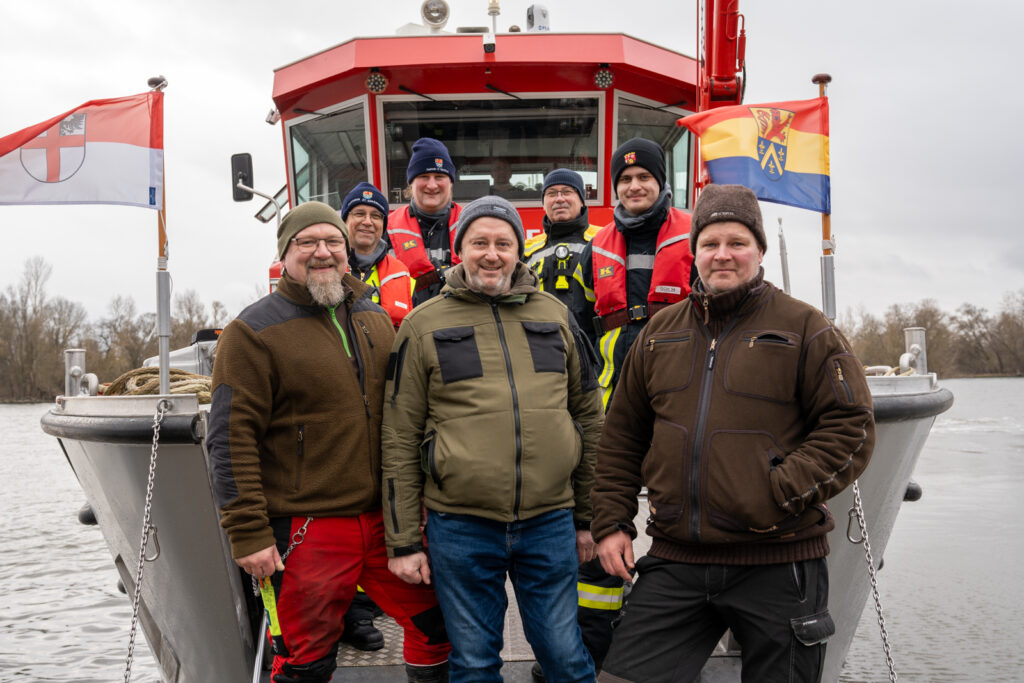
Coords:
551,194
375,216
307,245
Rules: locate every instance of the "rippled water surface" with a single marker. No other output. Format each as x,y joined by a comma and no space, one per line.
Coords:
63,618
952,586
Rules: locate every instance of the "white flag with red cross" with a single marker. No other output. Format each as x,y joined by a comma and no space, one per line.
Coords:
103,152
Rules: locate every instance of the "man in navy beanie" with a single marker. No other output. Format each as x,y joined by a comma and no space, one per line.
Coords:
365,212
422,233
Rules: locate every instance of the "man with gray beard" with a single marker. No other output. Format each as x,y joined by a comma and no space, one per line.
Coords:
294,441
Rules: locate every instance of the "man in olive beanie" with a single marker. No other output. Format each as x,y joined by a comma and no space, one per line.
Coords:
721,203
294,447
303,216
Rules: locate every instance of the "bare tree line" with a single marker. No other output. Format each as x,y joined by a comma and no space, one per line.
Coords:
36,328
970,342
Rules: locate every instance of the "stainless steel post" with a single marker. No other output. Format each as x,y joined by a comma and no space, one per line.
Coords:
914,337
828,286
74,370
163,327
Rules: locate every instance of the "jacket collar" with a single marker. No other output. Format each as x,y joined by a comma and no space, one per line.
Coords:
524,283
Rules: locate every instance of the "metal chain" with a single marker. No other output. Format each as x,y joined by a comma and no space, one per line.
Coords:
161,409
858,508
297,538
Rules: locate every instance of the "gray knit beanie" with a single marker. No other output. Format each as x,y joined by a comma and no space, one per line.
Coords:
721,203
303,216
490,205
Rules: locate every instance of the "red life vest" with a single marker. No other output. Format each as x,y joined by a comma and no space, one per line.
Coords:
395,288
407,240
670,281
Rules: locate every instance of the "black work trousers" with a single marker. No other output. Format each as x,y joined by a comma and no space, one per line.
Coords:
677,612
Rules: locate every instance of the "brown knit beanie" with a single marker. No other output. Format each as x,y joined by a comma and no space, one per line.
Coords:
303,216
722,203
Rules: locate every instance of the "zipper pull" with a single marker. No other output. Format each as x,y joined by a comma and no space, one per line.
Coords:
366,333
706,311
839,372
711,352
650,345
752,340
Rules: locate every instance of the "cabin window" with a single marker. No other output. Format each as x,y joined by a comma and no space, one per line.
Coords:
328,155
637,119
499,145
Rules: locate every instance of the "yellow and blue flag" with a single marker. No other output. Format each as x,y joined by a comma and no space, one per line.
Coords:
778,150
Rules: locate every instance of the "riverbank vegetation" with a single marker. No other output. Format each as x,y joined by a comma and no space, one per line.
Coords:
35,328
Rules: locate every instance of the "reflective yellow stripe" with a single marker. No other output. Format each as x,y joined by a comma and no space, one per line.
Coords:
599,597
607,346
577,275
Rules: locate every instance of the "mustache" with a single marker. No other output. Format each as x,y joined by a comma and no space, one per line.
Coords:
319,262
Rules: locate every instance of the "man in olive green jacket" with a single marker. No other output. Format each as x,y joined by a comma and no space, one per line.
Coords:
491,418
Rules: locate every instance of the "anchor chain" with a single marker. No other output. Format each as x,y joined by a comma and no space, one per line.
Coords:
297,538
858,510
161,409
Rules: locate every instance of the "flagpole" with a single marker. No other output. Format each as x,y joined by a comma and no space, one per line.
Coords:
828,245
163,276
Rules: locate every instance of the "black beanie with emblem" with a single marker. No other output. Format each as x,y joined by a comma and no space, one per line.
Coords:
723,203
639,152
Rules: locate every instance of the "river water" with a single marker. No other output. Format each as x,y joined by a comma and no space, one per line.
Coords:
952,588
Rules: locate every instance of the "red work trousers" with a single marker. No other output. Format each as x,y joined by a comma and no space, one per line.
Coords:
320,579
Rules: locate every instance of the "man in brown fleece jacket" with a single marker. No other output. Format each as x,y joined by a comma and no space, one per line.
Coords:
294,442
742,410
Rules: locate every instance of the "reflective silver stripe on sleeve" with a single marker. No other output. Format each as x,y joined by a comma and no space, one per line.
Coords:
672,240
607,254
399,231
391,277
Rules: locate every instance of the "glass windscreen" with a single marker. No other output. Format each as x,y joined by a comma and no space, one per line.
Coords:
329,156
638,120
499,146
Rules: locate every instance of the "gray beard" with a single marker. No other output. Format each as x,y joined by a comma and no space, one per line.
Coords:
327,290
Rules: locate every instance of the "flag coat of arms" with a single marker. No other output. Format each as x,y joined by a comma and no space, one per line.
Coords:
778,150
103,152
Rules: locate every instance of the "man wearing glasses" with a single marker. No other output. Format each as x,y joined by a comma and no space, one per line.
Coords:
294,441
365,212
554,253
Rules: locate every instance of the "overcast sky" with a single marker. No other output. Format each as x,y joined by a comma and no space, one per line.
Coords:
926,144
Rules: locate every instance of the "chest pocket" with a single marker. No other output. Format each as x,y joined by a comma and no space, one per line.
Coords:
763,364
547,347
457,354
671,357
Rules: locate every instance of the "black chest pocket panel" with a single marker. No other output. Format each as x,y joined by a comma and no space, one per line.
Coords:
457,354
547,347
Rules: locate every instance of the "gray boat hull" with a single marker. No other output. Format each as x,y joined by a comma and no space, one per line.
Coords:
193,607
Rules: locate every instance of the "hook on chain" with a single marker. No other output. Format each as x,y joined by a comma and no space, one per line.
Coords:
850,524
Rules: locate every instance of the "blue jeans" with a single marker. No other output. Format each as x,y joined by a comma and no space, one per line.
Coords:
470,557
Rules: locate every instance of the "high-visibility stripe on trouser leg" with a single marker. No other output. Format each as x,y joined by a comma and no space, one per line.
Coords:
607,347
599,597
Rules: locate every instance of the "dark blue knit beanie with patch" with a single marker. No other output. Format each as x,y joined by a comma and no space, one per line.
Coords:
429,156
365,193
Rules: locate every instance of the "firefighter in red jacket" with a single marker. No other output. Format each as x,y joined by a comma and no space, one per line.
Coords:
637,264
423,233
365,212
